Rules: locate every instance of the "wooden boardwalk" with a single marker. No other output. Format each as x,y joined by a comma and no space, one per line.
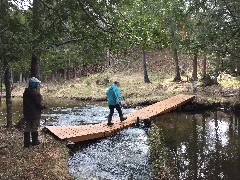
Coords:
93,131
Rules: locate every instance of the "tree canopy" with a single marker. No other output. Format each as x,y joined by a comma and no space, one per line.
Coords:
82,32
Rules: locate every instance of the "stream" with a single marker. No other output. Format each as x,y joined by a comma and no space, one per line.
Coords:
200,145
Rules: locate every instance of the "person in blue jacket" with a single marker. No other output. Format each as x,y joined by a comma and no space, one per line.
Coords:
114,102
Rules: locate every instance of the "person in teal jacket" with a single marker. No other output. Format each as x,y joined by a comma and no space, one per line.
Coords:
114,102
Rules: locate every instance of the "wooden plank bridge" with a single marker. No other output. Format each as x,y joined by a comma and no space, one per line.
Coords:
93,131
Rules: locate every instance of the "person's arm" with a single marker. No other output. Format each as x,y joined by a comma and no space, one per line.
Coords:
38,102
107,92
118,95
109,89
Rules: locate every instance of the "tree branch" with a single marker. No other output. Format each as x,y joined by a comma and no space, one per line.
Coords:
94,16
66,42
231,13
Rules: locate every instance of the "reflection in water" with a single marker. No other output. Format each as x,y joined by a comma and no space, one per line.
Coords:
203,146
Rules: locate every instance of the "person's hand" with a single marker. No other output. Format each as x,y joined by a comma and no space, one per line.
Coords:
45,106
120,104
124,104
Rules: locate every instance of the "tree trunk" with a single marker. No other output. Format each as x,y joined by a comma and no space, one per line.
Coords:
238,69
64,73
194,73
1,90
144,65
204,68
108,56
69,70
175,58
12,75
216,68
177,70
35,59
74,71
35,66
20,78
7,79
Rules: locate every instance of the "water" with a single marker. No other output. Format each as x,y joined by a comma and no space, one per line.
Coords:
200,145
122,156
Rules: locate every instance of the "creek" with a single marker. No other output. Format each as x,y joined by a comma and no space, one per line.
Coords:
199,145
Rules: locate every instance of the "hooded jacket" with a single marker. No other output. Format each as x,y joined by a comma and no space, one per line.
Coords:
113,94
32,103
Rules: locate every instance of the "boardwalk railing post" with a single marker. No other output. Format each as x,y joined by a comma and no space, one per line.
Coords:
137,122
147,122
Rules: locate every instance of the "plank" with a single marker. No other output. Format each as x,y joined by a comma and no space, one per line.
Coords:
93,131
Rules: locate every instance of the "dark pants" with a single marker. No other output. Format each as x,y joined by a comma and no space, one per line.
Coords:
32,124
117,107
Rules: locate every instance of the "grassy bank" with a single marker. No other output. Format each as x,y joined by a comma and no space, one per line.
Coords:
135,92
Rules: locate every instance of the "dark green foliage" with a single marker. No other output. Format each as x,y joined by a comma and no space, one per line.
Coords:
82,32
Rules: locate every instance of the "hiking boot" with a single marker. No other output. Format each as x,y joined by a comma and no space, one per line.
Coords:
35,140
26,139
122,118
109,121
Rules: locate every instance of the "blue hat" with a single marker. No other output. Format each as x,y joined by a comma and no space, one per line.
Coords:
34,82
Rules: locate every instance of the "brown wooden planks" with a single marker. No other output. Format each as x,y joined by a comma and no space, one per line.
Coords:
87,132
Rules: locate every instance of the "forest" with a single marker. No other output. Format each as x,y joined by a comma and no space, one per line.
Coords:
63,41
68,39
